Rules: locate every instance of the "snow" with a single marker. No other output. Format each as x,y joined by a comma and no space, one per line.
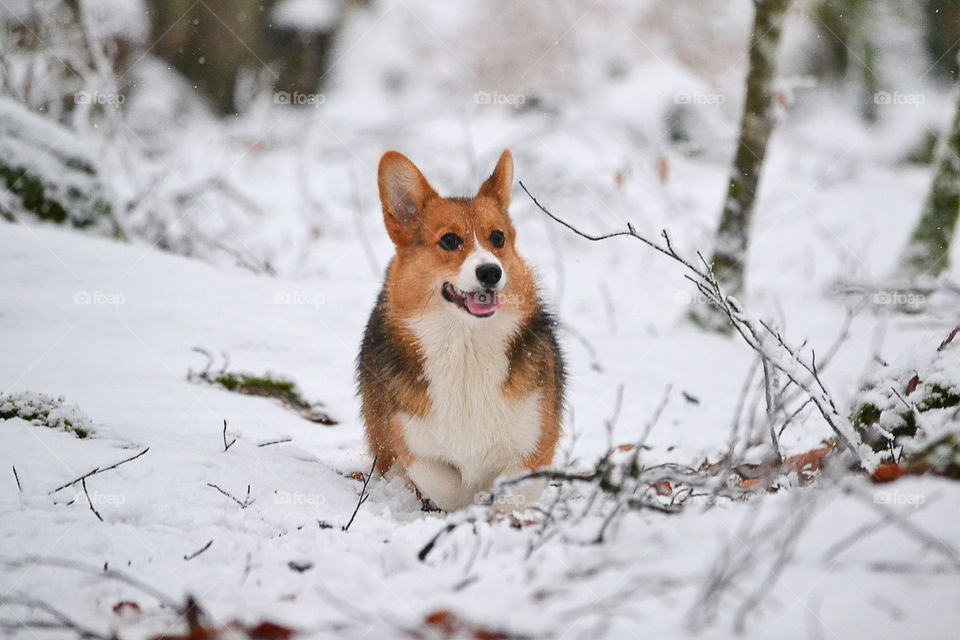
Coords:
306,15
159,508
110,327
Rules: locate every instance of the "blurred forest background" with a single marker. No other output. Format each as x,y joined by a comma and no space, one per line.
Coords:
136,106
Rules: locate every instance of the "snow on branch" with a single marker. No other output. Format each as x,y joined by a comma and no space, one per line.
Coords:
775,353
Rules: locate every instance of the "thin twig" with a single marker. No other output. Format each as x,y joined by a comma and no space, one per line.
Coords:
226,445
432,542
363,494
755,333
793,415
83,483
198,551
243,504
582,339
784,551
273,442
209,358
112,574
769,384
98,470
728,462
358,208
860,534
904,524
61,620
17,478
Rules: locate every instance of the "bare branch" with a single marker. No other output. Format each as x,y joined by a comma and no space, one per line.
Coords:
98,470
756,334
226,445
198,551
60,622
363,494
83,482
246,502
111,574
270,443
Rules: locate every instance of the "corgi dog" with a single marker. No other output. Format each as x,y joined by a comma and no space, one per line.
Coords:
460,373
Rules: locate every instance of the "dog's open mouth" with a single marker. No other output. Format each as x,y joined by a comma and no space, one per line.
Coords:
481,304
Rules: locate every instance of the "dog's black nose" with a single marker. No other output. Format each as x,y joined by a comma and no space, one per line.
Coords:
489,274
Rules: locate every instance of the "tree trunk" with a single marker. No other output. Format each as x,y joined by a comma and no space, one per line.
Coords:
942,34
927,253
732,238
849,53
211,42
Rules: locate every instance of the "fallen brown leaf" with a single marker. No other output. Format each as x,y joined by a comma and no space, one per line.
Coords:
443,622
913,384
887,472
235,630
447,625
810,461
662,488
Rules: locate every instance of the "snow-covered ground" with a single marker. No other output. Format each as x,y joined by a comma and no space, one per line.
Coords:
111,327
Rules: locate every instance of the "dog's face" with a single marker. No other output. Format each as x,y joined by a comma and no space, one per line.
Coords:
453,254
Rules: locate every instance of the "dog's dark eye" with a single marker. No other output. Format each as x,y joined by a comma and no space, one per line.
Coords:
451,242
497,239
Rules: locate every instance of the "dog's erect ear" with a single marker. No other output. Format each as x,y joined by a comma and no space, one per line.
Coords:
500,182
404,192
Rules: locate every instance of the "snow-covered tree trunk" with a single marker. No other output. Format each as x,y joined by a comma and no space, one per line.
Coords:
927,252
732,236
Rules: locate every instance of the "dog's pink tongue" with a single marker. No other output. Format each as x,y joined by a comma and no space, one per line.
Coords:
481,303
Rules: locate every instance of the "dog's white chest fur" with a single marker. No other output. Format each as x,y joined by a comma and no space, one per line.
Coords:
471,426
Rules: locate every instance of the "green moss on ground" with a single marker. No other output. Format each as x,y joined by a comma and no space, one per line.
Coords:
42,410
265,386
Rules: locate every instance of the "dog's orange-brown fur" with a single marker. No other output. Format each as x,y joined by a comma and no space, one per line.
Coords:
392,365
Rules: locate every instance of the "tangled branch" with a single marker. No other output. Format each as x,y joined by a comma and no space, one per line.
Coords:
775,353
